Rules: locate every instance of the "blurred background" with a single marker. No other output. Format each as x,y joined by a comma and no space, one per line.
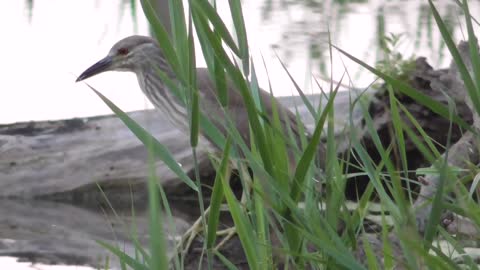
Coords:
47,43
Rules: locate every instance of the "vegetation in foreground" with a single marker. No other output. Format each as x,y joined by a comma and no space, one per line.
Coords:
273,230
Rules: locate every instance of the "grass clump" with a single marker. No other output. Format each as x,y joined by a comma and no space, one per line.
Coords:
298,217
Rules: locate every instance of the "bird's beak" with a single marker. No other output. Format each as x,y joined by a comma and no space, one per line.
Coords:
99,67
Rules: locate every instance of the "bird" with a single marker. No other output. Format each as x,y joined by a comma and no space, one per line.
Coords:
143,56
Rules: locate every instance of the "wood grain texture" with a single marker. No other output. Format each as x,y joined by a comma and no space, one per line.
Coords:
67,158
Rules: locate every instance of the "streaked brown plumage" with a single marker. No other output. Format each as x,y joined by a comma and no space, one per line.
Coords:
142,55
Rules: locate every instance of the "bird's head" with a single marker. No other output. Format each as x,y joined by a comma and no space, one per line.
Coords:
129,54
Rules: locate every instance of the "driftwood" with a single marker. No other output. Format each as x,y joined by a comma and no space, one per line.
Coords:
440,85
68,160
57,233
463,151
436,84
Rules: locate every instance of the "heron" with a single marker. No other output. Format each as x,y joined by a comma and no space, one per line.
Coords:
143,56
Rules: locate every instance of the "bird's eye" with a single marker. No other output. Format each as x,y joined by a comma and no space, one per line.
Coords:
122,51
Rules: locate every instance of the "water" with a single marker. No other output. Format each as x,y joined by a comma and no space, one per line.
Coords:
11,263
47,44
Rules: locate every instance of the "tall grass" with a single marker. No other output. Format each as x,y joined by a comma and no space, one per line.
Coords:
273,230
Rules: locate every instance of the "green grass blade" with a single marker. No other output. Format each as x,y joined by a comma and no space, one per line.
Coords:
162,37
179,32
214,65
437,203
145,138
171,223
262,230
369,169
305,100
369,253
159,259
226,262
123,257
397,126
244,229
208,128
467,79
194,103
221,83
419,143
311,150
239,81
133,14
216,202
473,46
404,88
194,117
206,9
239,23
423,134
400,210
322,236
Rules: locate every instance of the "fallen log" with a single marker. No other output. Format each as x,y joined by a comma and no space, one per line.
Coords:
68,160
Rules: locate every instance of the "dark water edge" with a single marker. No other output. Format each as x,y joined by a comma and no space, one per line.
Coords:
57,233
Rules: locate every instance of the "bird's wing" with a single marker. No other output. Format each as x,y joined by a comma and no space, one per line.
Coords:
211,106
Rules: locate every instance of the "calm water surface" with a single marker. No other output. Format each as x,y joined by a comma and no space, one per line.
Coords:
11,263
47,44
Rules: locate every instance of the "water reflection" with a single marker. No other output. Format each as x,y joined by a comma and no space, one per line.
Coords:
57,41
375,19
57,233
50,42
11,263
